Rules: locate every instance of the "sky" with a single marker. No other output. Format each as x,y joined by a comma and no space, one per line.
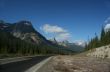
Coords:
72,20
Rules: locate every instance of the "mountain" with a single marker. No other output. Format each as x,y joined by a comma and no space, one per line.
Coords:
22,34
54,41
74,47
80,43
3,25
24,30
71,46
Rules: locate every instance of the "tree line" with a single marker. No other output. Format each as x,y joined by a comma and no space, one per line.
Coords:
101,40
12,45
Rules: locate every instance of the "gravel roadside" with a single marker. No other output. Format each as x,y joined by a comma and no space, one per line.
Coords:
77,64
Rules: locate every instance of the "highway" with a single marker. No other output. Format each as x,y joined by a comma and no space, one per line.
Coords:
21,66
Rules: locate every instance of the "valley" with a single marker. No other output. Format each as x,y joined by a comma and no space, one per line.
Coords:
54,35
21,39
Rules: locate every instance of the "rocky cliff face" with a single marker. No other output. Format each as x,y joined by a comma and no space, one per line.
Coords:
23,30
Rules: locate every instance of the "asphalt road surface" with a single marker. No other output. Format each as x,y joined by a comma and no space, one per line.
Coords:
21,66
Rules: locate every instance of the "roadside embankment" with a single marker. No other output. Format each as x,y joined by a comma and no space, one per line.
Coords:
101,52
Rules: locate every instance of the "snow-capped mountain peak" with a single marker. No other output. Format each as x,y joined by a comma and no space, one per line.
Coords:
80,43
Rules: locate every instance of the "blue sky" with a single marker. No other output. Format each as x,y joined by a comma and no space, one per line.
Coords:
76,19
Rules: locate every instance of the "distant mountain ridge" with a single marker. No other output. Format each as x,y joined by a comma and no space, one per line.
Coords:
72,46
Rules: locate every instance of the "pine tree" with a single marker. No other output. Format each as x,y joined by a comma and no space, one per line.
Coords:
103,37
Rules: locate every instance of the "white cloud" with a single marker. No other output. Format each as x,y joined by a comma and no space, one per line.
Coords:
52,29
63,36
107,27
59,33
107,22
